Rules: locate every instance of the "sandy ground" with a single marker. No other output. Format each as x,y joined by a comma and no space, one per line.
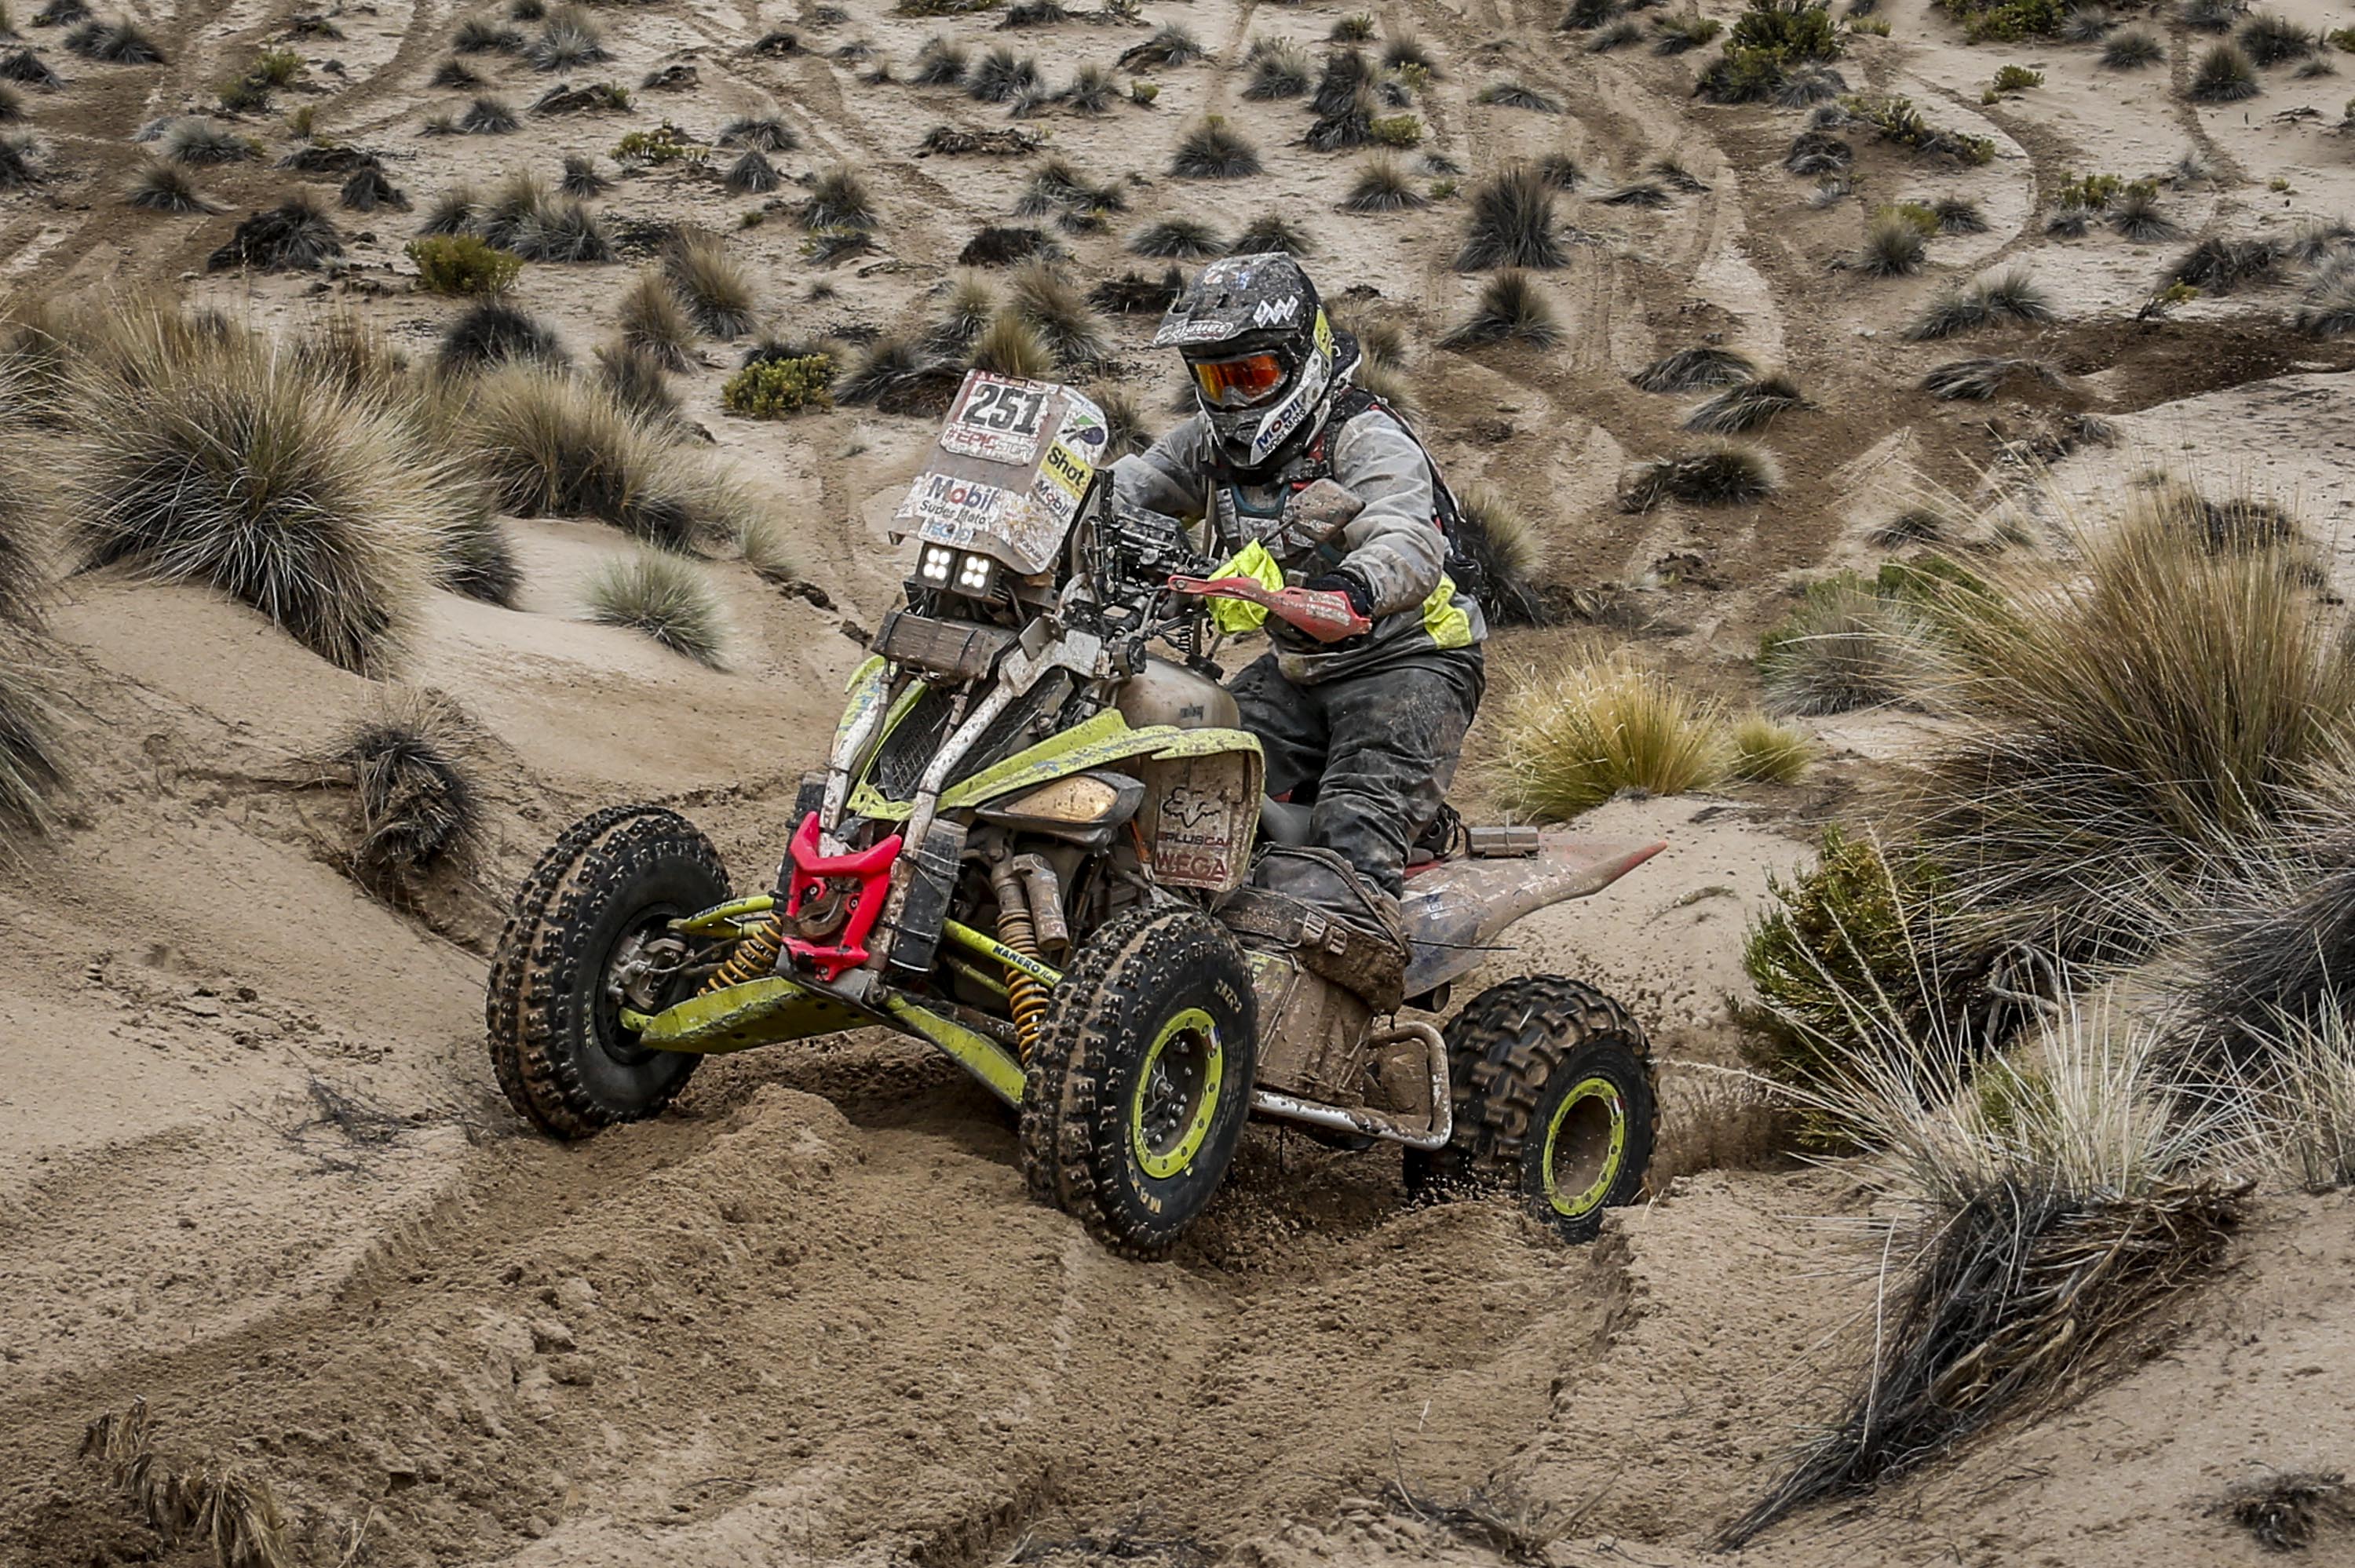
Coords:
253,1169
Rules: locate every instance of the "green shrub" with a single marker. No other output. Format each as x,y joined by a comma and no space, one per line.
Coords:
1791,30
2008,21
463,264
1918,214
1396,131
1854,931
767,389
665,143
1873,26
1895,119
278,68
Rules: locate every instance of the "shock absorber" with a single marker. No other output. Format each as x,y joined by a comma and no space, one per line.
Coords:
1025,997
753,958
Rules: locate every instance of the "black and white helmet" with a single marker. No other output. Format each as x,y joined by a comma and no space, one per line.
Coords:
1264,358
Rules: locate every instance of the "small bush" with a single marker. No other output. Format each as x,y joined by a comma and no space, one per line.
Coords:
2225,76
1182,237
1001,76
160,186
839,199
1509,94
196,140
1355,29
1504,547
461,264
665,143
768,388
2219,266
297,236
1852,643
1511,224
491,332
664,596
1279,69
2132,50
1597,724
1749,405
115,43
415,804
1214,150
1394,131
567,41
2016,79
1011,346
2272,40
1382,186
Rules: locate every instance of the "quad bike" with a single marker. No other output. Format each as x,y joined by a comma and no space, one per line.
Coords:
1037,846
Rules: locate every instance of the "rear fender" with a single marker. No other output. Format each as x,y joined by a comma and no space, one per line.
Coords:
1456,912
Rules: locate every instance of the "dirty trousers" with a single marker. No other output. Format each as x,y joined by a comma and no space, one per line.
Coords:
1375,752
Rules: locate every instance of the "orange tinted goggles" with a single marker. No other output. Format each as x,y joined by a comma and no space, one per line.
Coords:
1240,382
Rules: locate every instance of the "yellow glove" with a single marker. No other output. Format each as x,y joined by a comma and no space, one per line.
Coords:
1233,615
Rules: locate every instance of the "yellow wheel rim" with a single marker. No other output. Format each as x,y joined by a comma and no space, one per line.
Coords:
1586,1143
1183,1069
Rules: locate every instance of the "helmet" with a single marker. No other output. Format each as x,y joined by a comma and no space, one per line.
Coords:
1261,353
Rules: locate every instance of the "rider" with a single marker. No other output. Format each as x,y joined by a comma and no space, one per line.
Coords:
1374,723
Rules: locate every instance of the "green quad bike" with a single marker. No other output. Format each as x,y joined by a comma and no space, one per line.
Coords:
1035,847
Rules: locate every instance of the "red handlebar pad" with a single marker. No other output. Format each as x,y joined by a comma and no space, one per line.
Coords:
1326,617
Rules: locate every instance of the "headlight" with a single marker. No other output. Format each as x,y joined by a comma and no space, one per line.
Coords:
936,563
974,574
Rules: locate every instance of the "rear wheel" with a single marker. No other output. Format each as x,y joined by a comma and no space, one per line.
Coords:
589,938
1141,1083
1553,1098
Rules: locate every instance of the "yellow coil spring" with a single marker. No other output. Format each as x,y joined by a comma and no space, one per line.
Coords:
1025,997
754,957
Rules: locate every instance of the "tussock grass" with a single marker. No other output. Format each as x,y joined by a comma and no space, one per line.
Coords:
1680,35
1271,231
493,332
751,175
489,116
653,323
1279,68
1509,554
34,771
1351,125
1506,93
1091,90
159,187
567,41
213,457
1345,75
2218,265
1010,345
2137,216
1132,293
664,596
1766,751
1893,247
198,139
2225,75
2327,310
1728,474
24,65
368,189
1511,224
481,36
415,806
1691,369
1850,644
1171,45
1512,308
1125,430
2289,1512
1648,194
1560,171
1001,76
1617,36
1214,150
942,62
899,375
1597,724
713,286
2132,50
1750,406
971,304
554,444
2272,40
997,245
759,125
1382,185
581,179
115,43
456,211
2011,296
839,199
1818,152
1959,215
1183,238
224,1507
636,379
1057,312
1978,380
1388,381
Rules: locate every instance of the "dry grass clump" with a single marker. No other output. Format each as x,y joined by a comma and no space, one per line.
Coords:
2011,296
637,380
713,287
368,188
580,178
1748,406
24,65
1894,246
1009,345
1170,45
196,139
558,445
1512,308
1726,474
751,175
1271,231
1056,310
115,43
839,199
33,771
1182,238
493,332
1001,76
296,236
225,1507
2272,40
1853,642
568,40
159,187
1598,724
1511,224
1692,369
214,457
2289,1512
2328,307
1001,245
2225,75
667,597
1766,751
1214,150
1279,68
1976,380
2137,216
1506,93
414,802
2132,50
488,116
941,62
1507,554
2218,265
1382,185
1818,152
653,323
525,217
899,375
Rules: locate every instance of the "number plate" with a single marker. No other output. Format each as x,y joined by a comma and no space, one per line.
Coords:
998,421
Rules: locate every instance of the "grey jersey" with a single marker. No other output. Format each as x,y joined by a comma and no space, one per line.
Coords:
1393,546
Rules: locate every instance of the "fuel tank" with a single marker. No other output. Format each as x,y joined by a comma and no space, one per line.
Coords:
1168,693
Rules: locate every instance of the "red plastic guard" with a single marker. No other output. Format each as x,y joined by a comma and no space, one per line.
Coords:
812,872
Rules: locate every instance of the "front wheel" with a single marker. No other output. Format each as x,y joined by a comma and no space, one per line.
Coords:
1142,1079
589,938
1554,1099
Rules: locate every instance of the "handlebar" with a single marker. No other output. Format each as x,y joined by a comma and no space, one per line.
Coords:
1326,617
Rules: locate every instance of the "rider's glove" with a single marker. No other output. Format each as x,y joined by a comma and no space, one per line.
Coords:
1361,599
